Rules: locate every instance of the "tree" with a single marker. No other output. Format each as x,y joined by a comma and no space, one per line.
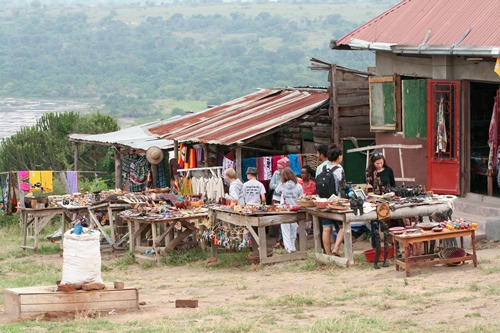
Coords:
45,146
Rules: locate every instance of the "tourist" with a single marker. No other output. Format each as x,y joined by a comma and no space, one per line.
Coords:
276,198
235,187
335,158
253,190
322,154
289,191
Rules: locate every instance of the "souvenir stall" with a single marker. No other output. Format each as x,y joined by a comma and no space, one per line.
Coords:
225,220
404,203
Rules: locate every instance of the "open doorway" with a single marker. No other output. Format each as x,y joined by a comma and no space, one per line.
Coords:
482,101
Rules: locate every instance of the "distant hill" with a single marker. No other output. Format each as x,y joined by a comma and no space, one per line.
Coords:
135,55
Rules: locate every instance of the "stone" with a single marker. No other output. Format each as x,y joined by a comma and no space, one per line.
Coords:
93,286
492,229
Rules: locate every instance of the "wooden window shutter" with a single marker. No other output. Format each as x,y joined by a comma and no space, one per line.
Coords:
385,103
414,108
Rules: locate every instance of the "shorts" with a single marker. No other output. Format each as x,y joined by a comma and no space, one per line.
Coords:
326,223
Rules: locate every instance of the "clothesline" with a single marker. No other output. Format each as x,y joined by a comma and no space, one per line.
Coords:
200,169
99,172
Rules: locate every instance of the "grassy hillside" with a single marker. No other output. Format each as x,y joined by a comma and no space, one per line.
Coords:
133,59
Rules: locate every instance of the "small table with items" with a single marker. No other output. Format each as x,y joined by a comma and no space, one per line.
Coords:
108,208
347,217
409,261
185,225
261,220
36,219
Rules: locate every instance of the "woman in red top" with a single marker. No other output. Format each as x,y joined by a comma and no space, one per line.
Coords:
305,180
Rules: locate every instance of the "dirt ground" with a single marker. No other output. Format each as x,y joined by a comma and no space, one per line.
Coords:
305,297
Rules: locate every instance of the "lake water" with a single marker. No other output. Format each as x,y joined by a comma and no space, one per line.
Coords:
17,113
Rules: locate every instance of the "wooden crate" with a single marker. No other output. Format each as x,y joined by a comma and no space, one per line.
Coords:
32,301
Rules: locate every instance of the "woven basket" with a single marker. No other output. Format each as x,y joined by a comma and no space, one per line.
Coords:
452,252
306,203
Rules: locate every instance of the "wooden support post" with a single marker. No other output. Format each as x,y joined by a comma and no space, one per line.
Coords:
75,156
334,106
205,153
176,150
239,172
317,235
118,168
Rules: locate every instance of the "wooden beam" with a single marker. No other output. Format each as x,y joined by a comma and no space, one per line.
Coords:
335,107
205,153
327,260
355,150
75,156
239,172
176,149
118,167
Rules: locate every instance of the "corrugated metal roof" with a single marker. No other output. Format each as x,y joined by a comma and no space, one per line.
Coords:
243,118
408,22
136,137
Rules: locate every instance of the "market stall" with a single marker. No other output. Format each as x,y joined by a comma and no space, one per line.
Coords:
180,224
448,256
427,207
251,219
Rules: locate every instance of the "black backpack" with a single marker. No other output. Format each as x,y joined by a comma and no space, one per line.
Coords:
326,184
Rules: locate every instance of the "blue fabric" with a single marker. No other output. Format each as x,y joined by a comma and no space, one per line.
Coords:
161,181
295,163
247,163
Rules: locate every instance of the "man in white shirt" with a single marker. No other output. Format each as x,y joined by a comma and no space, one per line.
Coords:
253,190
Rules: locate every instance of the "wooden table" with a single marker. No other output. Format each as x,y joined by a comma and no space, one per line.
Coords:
36,219
432,259
347,217
110,208
261,221
137,225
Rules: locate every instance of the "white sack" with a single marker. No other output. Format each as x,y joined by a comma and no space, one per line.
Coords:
81,257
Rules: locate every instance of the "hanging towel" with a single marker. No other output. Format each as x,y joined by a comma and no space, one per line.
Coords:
138,174
247,163
442,138
35,181
46,180
161,177
267,168
72,179
493,139
199,154
24,180
226,164
192,158
275,160
13,198
295,163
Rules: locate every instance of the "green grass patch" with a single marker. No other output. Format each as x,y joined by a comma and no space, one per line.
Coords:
358,323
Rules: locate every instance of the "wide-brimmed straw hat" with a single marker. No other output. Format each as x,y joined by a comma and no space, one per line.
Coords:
154,155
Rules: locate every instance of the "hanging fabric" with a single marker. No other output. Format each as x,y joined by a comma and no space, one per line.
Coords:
182,156
2,198
35,181
139,174
227,164
295,163
13,197
442,139
192,158
72,180
493,139
161,177
46,179
24,177
247,163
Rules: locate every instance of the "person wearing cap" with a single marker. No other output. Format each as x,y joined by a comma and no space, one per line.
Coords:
235,187
253,191
322,154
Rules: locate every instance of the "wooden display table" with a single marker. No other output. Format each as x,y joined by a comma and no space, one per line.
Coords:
261,221
137,225
35,219
432,259
347,217
110,208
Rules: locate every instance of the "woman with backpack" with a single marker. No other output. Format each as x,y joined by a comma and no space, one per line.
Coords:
331,181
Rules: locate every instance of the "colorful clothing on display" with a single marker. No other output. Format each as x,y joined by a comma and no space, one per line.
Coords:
72,179
493,139
46,179
247,163
24,179
295,164
161,177
139,170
